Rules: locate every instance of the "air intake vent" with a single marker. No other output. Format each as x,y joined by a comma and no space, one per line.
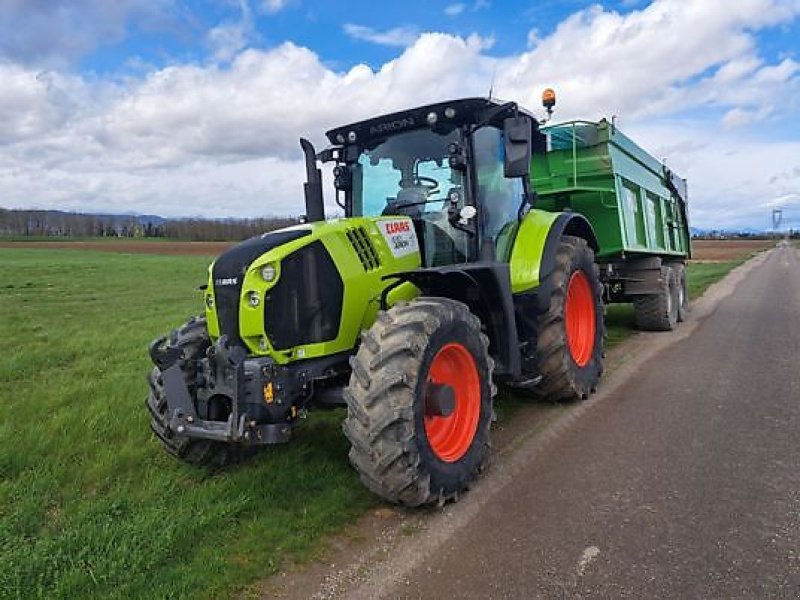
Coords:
366,251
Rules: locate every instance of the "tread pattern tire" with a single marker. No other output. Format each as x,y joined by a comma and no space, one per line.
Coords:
193,338
683,292
385,402
562,378
659,312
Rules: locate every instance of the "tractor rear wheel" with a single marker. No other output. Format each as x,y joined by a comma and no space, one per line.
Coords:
419,402
571,334
659,312
192,338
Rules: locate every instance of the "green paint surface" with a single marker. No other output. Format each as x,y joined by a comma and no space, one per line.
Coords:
597,171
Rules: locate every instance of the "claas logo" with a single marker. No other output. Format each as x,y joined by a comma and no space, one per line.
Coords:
398,227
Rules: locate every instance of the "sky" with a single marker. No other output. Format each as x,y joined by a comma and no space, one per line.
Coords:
194,108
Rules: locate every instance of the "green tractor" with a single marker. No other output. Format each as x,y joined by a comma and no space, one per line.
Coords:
443,279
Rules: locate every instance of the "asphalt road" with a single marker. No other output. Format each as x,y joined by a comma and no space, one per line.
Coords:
684,484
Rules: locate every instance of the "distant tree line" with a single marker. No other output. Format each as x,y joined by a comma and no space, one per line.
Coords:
723,234
49,223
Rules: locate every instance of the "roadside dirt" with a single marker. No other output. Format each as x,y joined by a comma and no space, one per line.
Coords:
723,250
132,247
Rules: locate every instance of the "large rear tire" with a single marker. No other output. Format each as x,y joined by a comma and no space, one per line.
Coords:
659,312
192,338
571,334
419,402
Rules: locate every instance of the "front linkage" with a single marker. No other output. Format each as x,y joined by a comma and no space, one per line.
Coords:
215,392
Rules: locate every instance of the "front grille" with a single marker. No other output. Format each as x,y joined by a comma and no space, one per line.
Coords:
305,306
364,249
228,272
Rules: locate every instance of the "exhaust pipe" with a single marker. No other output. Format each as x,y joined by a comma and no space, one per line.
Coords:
315,208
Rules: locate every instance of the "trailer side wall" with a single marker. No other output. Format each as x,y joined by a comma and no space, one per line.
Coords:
594,169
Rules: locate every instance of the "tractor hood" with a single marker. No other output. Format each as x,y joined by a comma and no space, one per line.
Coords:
308,290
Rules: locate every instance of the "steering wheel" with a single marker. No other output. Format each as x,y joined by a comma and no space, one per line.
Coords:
429,184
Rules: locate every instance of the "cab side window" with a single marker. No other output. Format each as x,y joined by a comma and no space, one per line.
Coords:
499,198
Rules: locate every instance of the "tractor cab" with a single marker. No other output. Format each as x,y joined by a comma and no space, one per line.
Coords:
458,169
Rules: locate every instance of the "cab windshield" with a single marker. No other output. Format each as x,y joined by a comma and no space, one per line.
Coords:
409,174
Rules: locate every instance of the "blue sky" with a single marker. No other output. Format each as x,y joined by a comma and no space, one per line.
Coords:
189,108
180,32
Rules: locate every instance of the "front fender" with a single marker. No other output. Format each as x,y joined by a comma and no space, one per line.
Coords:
485,288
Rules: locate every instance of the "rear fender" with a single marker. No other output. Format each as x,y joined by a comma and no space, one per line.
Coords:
533,257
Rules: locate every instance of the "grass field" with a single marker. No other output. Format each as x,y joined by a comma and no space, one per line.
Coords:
89,504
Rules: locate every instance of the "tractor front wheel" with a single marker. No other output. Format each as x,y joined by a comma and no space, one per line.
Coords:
419,402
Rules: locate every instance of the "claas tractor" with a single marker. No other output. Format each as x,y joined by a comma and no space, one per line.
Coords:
443,279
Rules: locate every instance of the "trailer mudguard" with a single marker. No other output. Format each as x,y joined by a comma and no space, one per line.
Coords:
486,288
533,256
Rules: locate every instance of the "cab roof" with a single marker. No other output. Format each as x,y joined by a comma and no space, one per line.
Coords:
461,112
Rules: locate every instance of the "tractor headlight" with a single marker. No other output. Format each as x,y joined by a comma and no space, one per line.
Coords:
253,299
269,272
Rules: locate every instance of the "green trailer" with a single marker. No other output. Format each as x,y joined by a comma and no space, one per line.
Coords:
476,250
636,205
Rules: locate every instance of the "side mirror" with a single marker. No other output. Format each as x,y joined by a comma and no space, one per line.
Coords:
517,135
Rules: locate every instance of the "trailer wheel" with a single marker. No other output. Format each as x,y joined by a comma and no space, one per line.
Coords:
683,292
419,402
659,312
193,338
571,334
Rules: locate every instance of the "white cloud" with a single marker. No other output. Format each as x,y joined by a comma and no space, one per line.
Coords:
230,37
220,138
227,40
44,32
453,10
274,6
397,36
533,38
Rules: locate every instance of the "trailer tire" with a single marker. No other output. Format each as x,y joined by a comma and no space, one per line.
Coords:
659,312
193,338
683,292
571,334
403,450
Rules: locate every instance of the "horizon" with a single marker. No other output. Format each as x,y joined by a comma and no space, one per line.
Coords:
153,107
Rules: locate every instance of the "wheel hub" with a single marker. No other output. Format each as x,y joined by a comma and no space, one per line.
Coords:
440,399
452,402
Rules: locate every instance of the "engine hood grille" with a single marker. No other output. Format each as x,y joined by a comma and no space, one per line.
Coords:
228,273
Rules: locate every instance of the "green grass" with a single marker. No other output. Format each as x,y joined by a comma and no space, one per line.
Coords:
702,275
90,506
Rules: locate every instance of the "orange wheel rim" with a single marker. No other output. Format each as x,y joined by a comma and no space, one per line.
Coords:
451,436
580,318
